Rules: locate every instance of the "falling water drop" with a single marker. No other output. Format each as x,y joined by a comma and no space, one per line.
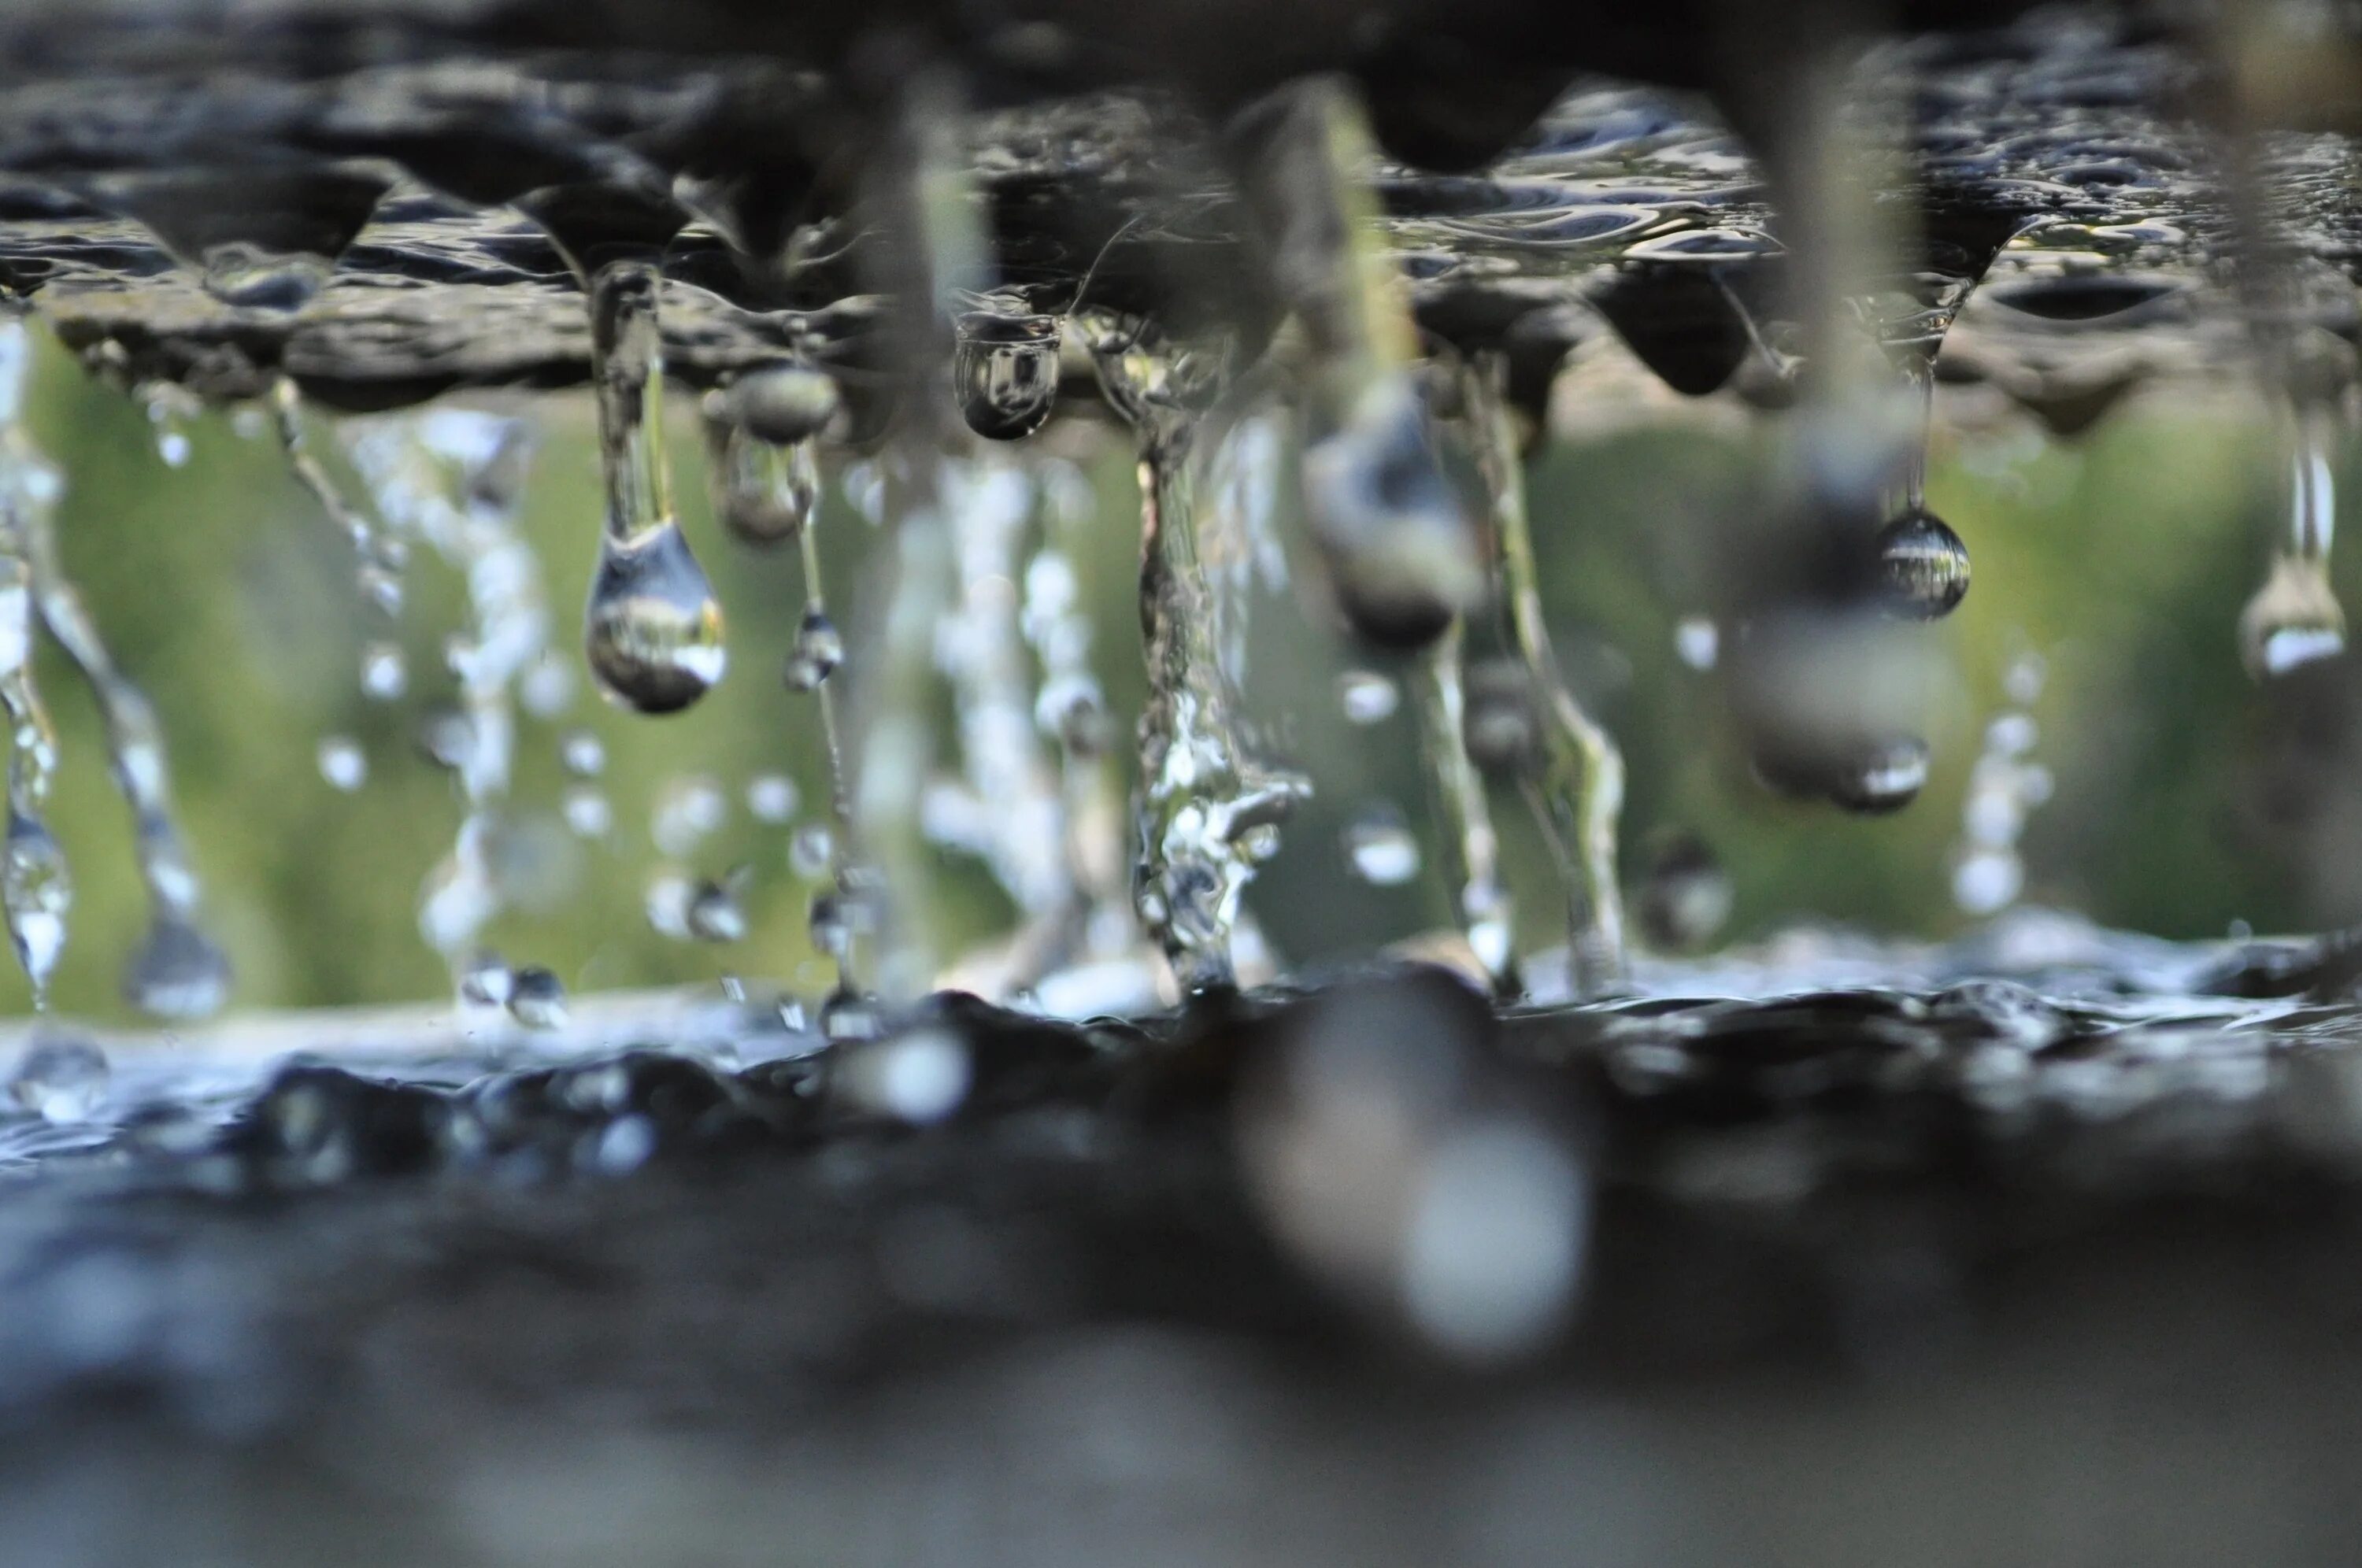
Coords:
1698,642
343,762
763,492
1380,846
586,812
819,649
688,809
812,851
1685,896
1006,370
1922,566
37,894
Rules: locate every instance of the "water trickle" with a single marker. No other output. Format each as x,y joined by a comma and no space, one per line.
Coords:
378,553
536,998
819,650
61,1081
35,889
2295,618
1574,776
1380,848
1472,852
343,762
652,630
1203,796
1005,370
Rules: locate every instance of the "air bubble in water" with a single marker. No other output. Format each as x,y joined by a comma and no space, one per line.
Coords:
536,998
1379,844
1006,370
177,972
653,630
1922,566
1367,697
60,1081
342,763
819,649
772,798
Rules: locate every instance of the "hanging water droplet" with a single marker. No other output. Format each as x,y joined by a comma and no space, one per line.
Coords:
536,998
583,754
1881,779
486,980
1698,642
782,404
1367,697
819,649
1923,566
342,763
653,630
688,809
715,914
812,851
587,813
772,798
1380,845
1006,371
764,494
37,892
177,972
385,672
1398,538
60,1081
2293,620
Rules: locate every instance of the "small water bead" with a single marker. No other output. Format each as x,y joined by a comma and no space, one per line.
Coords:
1005,369
819,650
1923,566
1987,880
1072,709
715,912
536,998
1380,846
342,763
172,446
583,754
812,851
772,798
61,1081
666,903
586,812
177,973
487,980
688,809
781,405
1397,537
653,629
1367,697
1698,642
385,672
764,494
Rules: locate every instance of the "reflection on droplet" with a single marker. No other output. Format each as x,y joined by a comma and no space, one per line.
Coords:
653,630
60,1081
1923,566
1379,844
342,763
2293,620
1367,697
819,649
536,998
1006,370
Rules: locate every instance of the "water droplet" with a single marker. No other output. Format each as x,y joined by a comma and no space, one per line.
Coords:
536,998
849,1016
1986,881
385,672
688,808
486,981
1685,896
36,891
1394,529
587,813
1367,697
715,914
1006,369
782,404
177,972
342,763
819,649
772,798
1380,845
812,851
60,1081
1697,640
653,630
764,494
831,924
2293,620
583,754
1923,566
172,446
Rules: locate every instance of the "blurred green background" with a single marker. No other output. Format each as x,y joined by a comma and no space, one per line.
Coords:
2185,798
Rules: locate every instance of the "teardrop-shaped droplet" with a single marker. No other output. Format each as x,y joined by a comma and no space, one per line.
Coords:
782,404
1922,566
2293,620
177,973
653,630
819,649
36,892
1006,369
764,494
